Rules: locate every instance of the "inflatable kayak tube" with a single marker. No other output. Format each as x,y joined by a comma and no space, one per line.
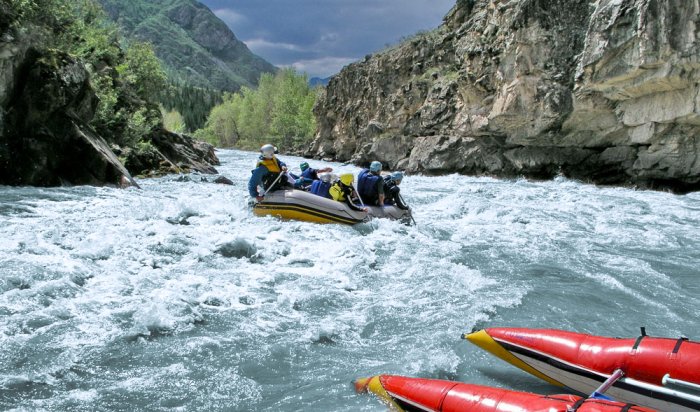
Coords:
582,362
305,206
432,395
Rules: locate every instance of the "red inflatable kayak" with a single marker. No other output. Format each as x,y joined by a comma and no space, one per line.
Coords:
432,395
659,373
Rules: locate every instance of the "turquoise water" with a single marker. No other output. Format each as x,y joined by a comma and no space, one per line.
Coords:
176,297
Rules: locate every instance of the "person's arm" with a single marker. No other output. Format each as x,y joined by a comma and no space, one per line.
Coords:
380,191
395,192
353,206
325,170
348,199
255,180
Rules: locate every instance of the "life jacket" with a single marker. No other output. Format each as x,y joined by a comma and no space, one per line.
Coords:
272,165
367,185
273,169
321,188
309,173
337,192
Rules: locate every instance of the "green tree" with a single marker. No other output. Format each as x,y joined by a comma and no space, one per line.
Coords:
173,121
278,111
142,71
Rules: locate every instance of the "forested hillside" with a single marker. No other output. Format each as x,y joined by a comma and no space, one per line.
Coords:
196,47
279,111
201,56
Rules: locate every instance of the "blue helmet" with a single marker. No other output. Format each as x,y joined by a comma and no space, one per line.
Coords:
375,166
397,177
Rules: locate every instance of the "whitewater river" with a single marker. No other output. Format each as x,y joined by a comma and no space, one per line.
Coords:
175,297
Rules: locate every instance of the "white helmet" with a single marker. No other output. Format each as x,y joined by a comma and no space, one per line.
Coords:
268,151
325,177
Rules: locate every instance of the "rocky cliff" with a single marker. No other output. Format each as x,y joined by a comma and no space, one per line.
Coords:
46,105
603,91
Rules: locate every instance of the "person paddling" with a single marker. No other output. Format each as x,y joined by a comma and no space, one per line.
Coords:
342,191
370,185
322,186
267,173
392,190
308,176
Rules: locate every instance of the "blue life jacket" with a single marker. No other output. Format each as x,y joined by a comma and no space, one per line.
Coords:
310,173
300,182
367,185
321,188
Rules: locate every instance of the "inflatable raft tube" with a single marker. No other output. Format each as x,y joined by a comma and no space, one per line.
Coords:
582,362
305,206
432,395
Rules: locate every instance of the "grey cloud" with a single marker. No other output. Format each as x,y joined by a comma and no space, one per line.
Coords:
318,36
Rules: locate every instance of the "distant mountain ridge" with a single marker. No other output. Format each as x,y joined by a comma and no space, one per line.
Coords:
196,46
317,81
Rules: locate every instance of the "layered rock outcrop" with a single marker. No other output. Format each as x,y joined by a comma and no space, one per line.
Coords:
605,92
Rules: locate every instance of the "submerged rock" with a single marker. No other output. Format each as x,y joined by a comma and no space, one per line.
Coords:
239,248
604,92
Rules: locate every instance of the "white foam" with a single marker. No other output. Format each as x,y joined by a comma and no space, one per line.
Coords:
186,268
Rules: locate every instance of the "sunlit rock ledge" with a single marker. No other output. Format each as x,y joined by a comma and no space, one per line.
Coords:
605,92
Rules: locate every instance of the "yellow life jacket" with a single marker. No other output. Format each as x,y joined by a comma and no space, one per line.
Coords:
271,164
336,192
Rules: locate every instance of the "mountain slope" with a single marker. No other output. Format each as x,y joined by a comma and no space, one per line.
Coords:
196,46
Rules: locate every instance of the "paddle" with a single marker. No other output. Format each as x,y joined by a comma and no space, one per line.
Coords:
358,194
598,393
273,184
410,213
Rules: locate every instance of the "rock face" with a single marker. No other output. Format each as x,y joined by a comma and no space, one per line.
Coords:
46,140
605,92
169,152
46,105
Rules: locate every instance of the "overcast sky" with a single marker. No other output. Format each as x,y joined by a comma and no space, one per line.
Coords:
319,37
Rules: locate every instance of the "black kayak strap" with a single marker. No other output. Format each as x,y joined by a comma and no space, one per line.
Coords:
637,342
626,408
679,342
643,331
577,405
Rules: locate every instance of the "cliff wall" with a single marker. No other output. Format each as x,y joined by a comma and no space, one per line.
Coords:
605,92
46,105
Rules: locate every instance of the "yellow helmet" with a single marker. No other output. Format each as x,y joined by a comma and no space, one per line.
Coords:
347,179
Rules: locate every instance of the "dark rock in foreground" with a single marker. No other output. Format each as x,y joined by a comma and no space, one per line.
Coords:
46,105
46,139
167,152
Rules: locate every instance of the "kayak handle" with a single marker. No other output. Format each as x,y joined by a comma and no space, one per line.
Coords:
616,376
668,380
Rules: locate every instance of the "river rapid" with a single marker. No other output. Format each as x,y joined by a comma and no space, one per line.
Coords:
176,297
